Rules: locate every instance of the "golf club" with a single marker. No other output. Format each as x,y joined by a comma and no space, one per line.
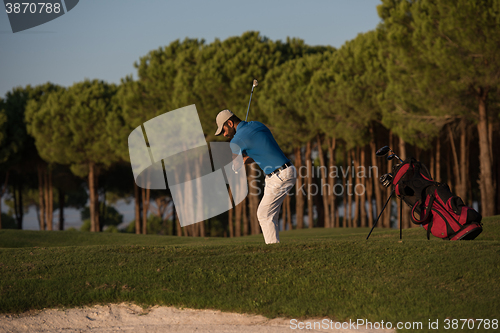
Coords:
384,151
253,86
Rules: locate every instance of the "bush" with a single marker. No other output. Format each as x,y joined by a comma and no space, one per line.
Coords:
108,215
155,226
130,228
8,222
85,226
111,229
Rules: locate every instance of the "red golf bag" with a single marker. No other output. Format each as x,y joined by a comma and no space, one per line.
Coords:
433,205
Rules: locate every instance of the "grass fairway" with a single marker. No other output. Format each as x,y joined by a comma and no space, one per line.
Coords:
332,273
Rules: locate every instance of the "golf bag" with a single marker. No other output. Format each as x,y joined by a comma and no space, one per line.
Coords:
439,211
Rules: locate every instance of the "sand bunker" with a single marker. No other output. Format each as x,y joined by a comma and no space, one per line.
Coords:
132,318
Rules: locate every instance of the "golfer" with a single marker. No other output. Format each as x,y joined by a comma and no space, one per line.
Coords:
256,144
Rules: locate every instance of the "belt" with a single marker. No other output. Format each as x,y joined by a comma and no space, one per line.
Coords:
281,168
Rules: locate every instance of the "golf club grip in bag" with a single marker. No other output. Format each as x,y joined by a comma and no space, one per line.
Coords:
440,212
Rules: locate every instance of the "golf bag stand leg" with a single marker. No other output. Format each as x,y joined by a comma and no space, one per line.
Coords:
401,220
376,221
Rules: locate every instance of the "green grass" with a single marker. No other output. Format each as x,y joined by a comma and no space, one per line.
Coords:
332,273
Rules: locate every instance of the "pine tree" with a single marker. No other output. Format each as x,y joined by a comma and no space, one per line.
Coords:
71,127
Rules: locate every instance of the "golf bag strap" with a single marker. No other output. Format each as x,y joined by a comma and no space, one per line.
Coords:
427,212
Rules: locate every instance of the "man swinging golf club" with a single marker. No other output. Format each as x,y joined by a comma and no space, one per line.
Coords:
256,144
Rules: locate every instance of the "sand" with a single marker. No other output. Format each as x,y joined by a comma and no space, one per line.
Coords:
132,318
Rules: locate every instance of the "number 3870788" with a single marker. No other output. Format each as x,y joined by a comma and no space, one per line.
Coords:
33,8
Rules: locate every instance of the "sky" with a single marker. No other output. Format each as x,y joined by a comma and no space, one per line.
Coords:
101,39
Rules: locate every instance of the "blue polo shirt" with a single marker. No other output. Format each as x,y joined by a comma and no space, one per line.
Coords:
256,141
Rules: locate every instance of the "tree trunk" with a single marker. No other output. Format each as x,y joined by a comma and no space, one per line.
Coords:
289,210
144,218
253,199
470,130
16,206
2,192
201,231
497,168
230,218
51,200
369,195
325,191
310,217
449,175
388,210
464,153
284,212
92,195
438,160
331,182
174,220
47,204
245,217
61,210
237,220
344,203
376,188
456,171
176,223
145,209
432,167
405,219
199,227
318,202
20,210
485,158
103,210
490,142
349,189
363,186
192,229
96,195
41,190
355,182
457,168
137,197
299,203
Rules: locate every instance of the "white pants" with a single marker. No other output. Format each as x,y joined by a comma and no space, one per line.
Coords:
276,188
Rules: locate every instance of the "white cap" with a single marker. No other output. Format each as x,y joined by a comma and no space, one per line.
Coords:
221,118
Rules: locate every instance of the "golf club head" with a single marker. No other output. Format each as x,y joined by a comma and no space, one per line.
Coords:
383,151
390,157
255,83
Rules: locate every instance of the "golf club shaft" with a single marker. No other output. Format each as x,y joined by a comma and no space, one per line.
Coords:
250,101
396,156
